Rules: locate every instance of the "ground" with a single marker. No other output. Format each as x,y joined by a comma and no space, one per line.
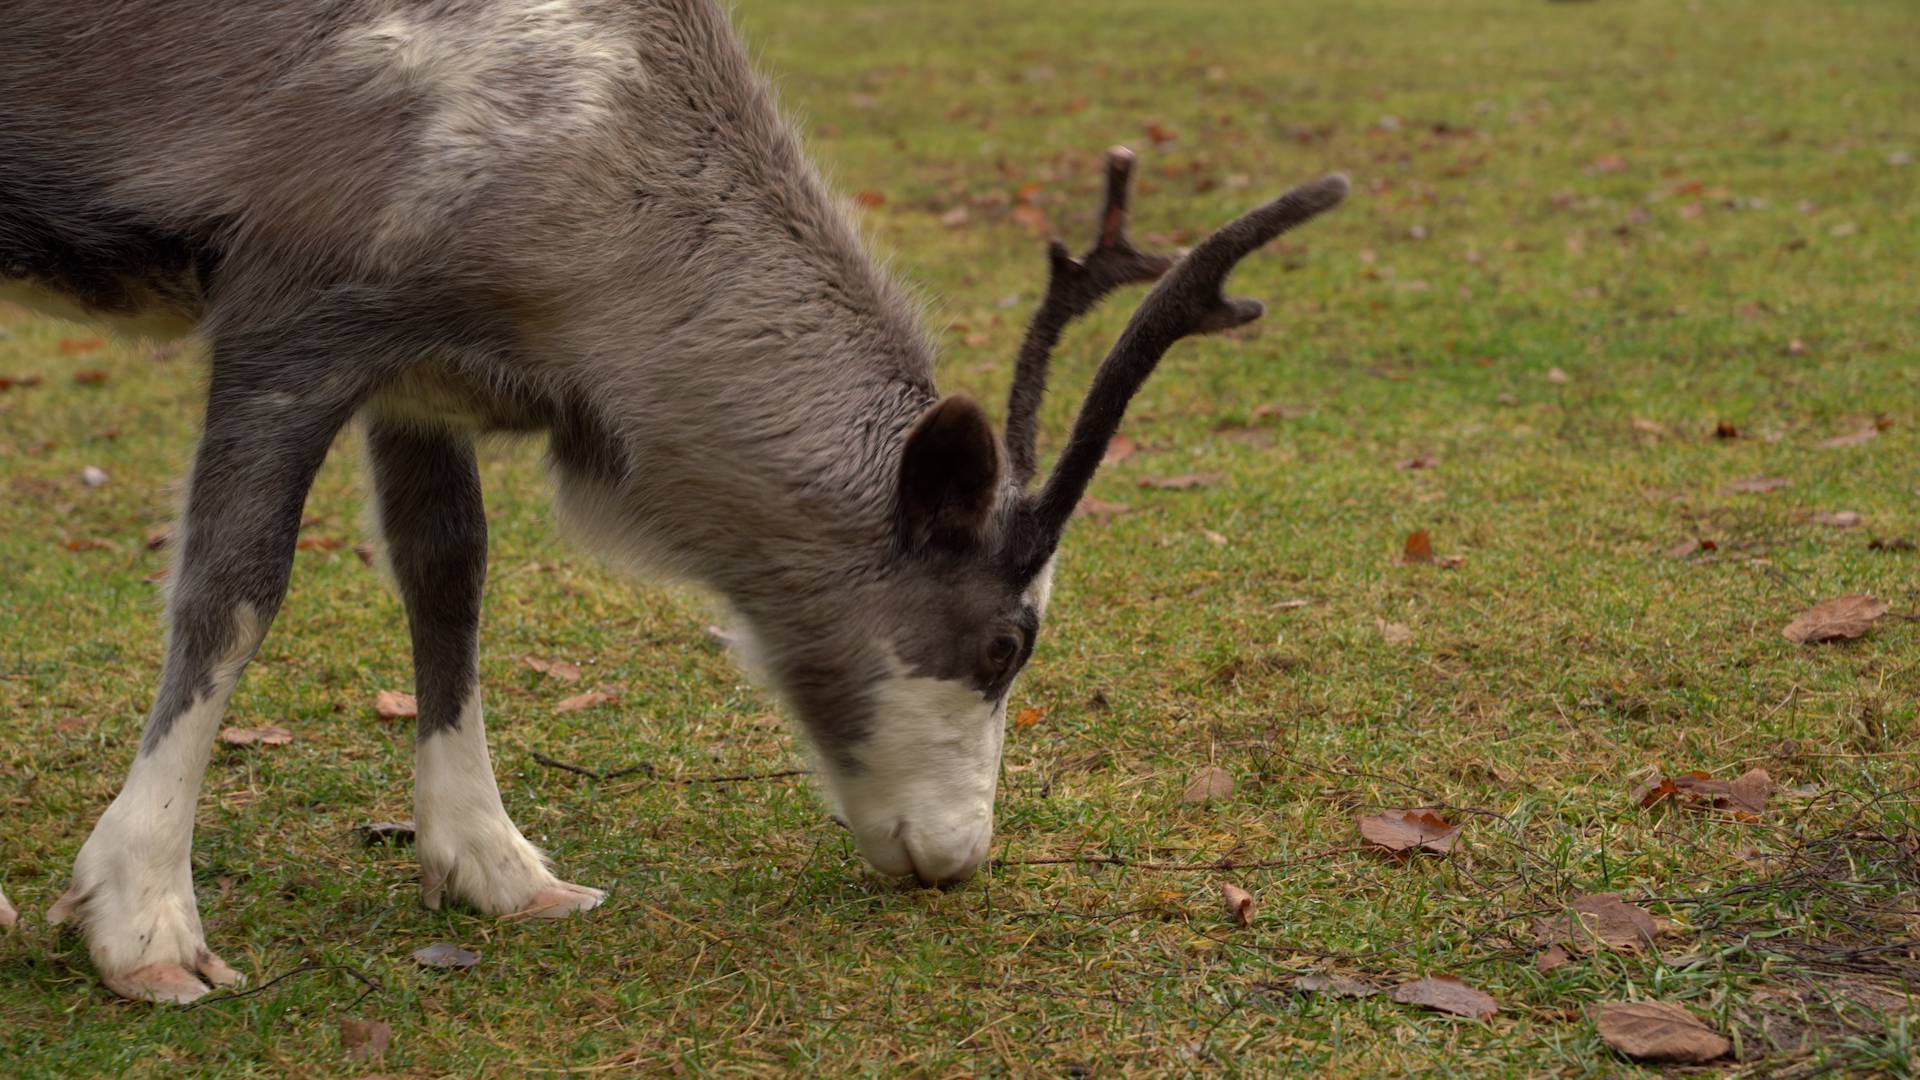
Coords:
1604,264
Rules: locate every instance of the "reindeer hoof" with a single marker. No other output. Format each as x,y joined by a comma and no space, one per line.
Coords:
559,900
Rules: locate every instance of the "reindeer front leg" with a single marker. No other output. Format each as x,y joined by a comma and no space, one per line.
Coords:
436,534
273,409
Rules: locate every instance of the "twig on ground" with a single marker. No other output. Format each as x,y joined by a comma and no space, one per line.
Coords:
1217,864
647,768
372,984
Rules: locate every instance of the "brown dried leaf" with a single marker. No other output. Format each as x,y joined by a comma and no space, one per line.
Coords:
1599,920
871,200
1558,377
364,1040
1725,430
443,955
1337,986
271,735
1409,830
81,346
1207,785
1658,1031
583,701
1839,519
375,833
1239,904
1101,508
1395,633
1418,548
320,543
1853,438
1746,794
1419,461
1031,216
1758,485
1182,482
1651,427
1554,957
1842,618
1029,716
1280,411
394,705
1688,547
1444,993
559,669
1119,449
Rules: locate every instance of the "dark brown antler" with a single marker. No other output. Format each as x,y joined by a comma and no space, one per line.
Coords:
1187,301
1074,287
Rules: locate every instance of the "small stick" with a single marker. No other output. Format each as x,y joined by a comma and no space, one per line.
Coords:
1216,865
615,774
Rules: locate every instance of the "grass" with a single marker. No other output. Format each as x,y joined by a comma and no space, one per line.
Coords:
1582,237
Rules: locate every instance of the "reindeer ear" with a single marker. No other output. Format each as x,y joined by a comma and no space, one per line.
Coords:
949,474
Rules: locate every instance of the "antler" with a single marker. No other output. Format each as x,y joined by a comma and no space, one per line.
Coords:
1074,287
1186,301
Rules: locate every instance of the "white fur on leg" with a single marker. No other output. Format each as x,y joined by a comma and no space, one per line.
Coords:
467,844
133,880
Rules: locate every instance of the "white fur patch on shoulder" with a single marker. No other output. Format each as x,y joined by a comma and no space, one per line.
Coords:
496,78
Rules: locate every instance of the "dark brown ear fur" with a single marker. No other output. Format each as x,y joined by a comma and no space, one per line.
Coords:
949,474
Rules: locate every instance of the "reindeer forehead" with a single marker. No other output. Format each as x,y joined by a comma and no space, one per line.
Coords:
943,619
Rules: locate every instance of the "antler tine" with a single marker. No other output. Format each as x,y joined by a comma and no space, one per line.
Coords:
1187,301
1074,287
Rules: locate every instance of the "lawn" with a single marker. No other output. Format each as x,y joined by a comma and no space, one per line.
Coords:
1605,266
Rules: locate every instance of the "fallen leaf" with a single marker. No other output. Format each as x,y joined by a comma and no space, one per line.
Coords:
870,199
1207,785
1558,377
1239,904
67,725
442,955
394,705
1029,716
271,735
81,346
559,669
1034,218
1419,461
1554,957
1842,618
1651,427
1725,430
1897,543
1758,485
385,832
159,537
320,543
364,1040
1409,830
1609,163
1159,133
1395,633
1417,549
1839,519
1852,438
87,544
1687,547
1658,1031
583,701
1337,986
1101,508
1296,602
1182,482
1444,993
956,217
93,476
1602,919
1214,538
9,382
1747,793
1119,449
1280,411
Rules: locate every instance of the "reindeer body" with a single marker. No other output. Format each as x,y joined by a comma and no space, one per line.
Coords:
578,217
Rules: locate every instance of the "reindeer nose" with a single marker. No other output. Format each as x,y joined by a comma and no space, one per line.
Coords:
947,857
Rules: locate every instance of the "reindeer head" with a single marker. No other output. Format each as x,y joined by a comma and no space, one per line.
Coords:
954,621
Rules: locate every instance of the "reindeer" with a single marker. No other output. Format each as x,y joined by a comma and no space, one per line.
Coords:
583,218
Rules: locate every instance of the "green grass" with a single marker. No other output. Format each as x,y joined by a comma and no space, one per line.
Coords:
1695,213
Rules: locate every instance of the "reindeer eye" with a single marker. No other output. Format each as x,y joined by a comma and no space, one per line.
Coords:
1002,650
